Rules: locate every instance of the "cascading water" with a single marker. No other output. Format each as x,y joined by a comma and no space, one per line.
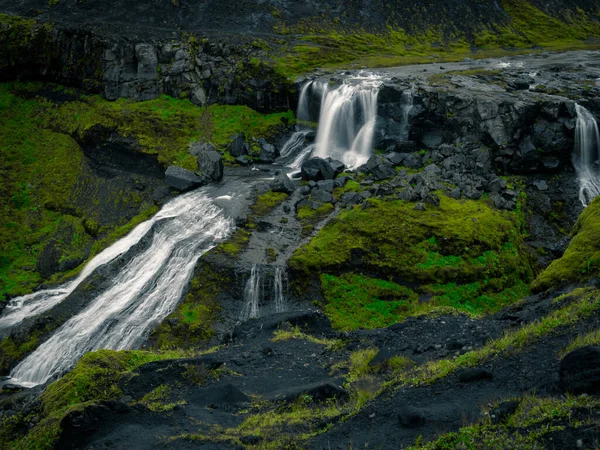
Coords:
252,292
347,120
407,105
586,157
30,305
278,295
143,293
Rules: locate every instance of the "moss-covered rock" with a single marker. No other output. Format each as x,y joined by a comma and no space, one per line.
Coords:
581,260
463,256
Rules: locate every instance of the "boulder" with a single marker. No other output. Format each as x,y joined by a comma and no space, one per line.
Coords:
268,153
182,179
316,392
195,148
210,165
580,371
316,169
282,183
238,146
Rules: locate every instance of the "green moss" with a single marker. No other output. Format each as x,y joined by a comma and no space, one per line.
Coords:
328,44
235,244
265,203
309,217
94,378
581,260
156,400
11,351
582,340
42,167
354,301
533,421
191,324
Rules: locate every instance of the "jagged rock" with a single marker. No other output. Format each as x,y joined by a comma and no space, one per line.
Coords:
455,193
503,411
317,392
405,147
580,371
243,160
268,153
474,374
322,196
337,166
210,165
160,193
411,417
541,185
496,184
182,179
195,148
413,161
282,183
382,172
238,146
350,198
316,169
395,159
326,185
341,181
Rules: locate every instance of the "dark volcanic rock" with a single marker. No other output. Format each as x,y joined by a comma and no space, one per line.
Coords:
580,371
268,152
411,417
238,146
316,169
316,392
282,183
182,179
210,165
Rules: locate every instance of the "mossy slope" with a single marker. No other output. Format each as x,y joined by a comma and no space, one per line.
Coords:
462,256
581,260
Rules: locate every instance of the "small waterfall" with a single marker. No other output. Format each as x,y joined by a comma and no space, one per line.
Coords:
347,120
142,294
293,147
252,292
278,295
586,155
303,111
407,105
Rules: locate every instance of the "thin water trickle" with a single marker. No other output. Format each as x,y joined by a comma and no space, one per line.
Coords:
586,157
252,295
141,295
278,295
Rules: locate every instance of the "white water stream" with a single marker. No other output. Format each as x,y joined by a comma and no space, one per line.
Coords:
252,295
280,303
143,293
586,157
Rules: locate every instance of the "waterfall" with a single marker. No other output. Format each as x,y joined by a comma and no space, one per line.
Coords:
303,111
280,304
407,105
251,295
586,155
141,295
347,120
30,305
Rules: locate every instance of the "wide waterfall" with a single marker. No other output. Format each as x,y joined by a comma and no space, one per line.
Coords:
346,121
142,294
252,295
586,157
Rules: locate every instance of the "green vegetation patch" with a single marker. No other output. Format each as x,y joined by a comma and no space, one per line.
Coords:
267,202
581,260
531,426
461,256
330,45
94,378
42,169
